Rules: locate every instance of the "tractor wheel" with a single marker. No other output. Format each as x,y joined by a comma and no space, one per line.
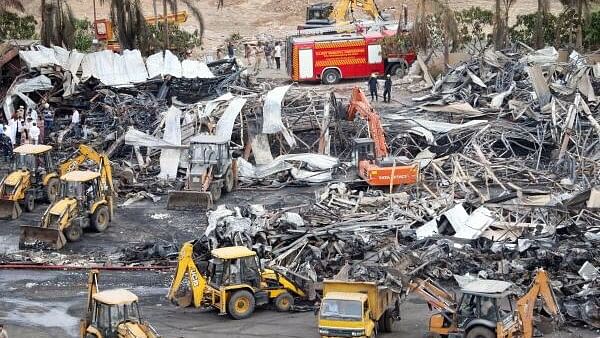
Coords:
331,76
52,189
284,302
241,304
29,202
73,233
101,218
215,191
228,185
481,332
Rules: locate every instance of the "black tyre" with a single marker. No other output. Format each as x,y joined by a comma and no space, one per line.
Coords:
29,202
331,76
73,233
387,322
215,191
228,184
241,304
398,69
481,332
52,189
284,302
101,218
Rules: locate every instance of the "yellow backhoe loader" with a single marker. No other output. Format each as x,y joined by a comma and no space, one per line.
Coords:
234,283
340,13
210,171
86,201
112,314
35,177
486,308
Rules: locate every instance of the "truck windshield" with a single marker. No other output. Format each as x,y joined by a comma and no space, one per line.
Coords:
25,161
71,189
341,309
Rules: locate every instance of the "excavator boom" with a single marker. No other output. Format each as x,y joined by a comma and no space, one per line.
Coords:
360,104
540,287
344,10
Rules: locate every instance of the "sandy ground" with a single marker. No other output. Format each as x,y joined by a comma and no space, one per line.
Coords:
278,18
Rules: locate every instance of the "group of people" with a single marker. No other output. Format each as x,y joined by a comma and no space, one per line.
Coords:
263,50
374,88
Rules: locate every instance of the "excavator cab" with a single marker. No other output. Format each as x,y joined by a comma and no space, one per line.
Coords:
319,15
363,150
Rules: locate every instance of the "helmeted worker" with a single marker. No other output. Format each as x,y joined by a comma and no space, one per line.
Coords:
387,89
34,133
373,86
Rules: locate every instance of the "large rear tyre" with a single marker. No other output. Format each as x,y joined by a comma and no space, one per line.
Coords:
331,76
101,218
29,202
481,332
387,322
73,233
241,304
399,70
284,302
52,189
228,186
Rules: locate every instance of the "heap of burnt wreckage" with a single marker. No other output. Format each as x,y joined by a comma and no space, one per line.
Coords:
508,145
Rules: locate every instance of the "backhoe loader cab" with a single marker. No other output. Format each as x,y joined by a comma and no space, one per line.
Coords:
210,172
33,178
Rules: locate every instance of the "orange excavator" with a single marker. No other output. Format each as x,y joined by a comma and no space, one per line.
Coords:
486,308
371,155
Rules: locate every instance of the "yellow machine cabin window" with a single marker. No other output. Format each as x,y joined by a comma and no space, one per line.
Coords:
337,309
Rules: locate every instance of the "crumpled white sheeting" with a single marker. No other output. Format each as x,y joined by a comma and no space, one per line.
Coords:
213,104
193,69
169,158
225,125
272,110
159,65
41,82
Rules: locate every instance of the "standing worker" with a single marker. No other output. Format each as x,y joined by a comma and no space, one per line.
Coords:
48,120
230,50
387,89
3,333
277,55
219,54
247,52
259,53
373,86
269,54
34,133
6,145
75,120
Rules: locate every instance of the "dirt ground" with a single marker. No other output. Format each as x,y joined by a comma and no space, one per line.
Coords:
272,17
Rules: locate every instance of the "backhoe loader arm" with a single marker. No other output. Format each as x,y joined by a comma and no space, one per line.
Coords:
360,104
540,287
83,153
92,286
186,266
434,295
343,8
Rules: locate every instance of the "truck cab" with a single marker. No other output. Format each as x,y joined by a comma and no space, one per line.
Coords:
345,315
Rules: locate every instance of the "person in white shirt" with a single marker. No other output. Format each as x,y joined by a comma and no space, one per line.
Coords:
75,120
12,130
34,132
277,55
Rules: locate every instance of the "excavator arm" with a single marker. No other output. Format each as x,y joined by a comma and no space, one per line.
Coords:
435,296
525,305
197,282
343,9
360,104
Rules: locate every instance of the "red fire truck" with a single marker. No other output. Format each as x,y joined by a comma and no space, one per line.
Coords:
330,58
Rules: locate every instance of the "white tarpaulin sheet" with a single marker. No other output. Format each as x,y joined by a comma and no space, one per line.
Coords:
134,137
212,105
466,226
272,123
225,124
135,67
193,69
169,158
41,82
319,167
162,65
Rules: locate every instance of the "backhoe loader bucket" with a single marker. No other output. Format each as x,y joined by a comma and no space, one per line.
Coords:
10,209
189,200
47,237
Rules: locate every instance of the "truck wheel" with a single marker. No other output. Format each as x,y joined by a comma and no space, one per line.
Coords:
101,218
284,302
481,332
29,202
73,233
241,305
387,321
398,69
331,76
52,189
228,186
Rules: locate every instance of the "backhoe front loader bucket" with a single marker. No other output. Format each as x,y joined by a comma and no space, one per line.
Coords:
10,209
32,236
189,200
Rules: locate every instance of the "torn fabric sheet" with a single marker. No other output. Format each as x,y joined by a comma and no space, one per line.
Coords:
193,69
272,122
41,82
465,226
225,125
169,158
213,104
134,137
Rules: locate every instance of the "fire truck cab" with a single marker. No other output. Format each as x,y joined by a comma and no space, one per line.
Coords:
330,58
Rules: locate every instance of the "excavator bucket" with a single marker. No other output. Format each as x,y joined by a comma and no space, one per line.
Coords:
189,200
47,237
10,209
